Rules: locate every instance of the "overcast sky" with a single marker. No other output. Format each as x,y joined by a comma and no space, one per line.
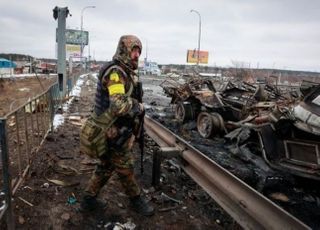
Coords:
283,34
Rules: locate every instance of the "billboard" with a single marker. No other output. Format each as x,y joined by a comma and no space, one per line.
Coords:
73,51
74,37
192,56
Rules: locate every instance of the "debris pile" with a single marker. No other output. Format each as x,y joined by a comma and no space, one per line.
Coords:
283,121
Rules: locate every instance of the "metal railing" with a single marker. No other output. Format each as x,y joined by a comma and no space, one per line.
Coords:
245,205
71,83
22,132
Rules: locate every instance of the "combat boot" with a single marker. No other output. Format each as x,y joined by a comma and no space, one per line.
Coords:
90,203
140,205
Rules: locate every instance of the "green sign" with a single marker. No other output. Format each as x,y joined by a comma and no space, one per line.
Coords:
75,37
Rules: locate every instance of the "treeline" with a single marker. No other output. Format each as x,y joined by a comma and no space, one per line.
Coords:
23,57
214,69
16,57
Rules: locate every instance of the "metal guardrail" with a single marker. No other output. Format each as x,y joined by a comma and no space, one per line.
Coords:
22,132
245,205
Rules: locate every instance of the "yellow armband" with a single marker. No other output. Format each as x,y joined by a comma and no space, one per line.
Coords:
116,89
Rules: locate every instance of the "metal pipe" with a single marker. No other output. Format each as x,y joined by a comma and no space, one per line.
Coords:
27,135
61,41
51,109
32,130
37,122
48,110
46,114
42,114
18,143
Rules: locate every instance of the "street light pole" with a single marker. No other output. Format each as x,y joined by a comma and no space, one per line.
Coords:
82,46
199,37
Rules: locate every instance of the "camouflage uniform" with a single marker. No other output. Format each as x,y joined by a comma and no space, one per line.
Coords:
115,81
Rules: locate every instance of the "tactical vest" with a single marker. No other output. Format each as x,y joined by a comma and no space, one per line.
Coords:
102,95
92,135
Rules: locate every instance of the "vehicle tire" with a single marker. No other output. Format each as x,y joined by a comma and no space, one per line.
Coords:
210,124
184,112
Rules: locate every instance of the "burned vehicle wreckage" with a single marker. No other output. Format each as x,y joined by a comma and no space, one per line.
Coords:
285,123
293,142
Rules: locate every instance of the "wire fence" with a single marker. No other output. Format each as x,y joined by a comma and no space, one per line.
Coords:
22,132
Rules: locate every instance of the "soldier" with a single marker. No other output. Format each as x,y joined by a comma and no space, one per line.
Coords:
109,132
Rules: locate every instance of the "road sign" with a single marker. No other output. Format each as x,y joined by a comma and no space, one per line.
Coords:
74,37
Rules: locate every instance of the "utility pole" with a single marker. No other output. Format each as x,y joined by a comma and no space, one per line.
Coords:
61,13
199,35
89,57
146,50
81,28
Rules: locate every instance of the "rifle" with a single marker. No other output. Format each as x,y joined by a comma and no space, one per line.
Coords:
140,137
138,92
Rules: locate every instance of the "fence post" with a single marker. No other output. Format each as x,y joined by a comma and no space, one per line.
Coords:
5,173
52,107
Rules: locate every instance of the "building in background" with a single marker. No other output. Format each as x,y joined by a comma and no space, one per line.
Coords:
149,67
7,66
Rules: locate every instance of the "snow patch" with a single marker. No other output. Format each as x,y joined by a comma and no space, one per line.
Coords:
25,89
57,121
59,118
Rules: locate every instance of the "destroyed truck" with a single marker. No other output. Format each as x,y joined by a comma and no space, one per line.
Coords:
288,137
291,141
198,99
288,130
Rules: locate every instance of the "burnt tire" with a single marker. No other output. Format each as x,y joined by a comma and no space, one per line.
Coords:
210,124
184,112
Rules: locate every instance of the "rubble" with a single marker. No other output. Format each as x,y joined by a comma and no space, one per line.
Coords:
292,143
286,127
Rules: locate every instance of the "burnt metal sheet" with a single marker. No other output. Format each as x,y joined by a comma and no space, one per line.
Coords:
293,150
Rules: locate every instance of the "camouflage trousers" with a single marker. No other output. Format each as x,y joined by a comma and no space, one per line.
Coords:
119,161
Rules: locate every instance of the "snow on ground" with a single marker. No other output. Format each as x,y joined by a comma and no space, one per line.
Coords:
57,121
59,118
25,75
